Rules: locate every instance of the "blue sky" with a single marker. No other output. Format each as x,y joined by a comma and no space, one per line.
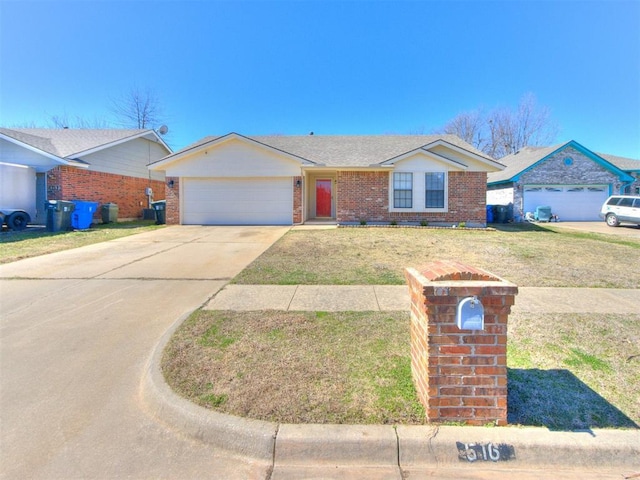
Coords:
330,67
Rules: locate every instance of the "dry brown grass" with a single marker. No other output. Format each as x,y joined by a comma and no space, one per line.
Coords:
526,255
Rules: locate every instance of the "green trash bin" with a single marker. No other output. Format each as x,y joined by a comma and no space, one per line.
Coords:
109,213
161,211
58,215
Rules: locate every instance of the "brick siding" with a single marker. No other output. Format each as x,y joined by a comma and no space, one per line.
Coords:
172,195
365,196
70,183
297,200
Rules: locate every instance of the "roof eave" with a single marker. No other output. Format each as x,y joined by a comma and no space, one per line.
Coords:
221,139
55,158
392,161
120,141
622,175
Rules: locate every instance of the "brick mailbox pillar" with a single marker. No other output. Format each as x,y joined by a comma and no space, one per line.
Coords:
460,375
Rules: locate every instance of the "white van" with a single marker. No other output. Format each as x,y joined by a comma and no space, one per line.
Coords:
621,208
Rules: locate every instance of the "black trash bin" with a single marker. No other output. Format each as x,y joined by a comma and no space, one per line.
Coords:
58,215
161,211
501,214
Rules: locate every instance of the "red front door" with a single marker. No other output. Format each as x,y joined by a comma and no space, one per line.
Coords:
323,198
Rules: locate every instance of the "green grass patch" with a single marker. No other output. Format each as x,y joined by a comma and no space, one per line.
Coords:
297,367
573,371
578,358
33,242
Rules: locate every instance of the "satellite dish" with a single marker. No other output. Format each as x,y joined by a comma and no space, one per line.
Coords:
163,130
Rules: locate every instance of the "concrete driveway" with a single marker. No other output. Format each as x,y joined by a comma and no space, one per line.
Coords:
77,329
625,230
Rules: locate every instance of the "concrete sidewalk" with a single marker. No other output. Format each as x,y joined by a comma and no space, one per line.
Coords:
336,298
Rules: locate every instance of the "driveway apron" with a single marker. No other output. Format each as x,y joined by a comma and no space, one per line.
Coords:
77,329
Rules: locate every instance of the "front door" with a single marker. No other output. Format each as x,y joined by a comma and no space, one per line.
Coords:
323,198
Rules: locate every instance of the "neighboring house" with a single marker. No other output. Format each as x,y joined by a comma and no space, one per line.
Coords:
569,178
104,166
284,180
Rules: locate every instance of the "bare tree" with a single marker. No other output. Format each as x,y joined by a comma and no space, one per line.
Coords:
504,131
63,121
469,126
137,109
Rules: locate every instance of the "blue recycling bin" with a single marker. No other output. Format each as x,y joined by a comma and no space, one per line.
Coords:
489,213
82,216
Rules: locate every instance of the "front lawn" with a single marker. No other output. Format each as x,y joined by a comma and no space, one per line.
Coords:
566,371
37,241
354,367
527,255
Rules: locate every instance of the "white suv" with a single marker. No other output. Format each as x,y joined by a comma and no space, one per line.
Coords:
621,208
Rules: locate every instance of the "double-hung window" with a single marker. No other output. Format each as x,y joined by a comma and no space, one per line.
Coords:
402,190
434,183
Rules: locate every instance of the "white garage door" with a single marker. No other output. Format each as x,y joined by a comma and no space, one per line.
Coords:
580,203
237,201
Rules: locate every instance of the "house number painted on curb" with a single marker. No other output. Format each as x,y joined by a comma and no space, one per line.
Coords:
473,452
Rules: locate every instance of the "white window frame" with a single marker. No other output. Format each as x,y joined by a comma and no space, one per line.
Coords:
419,191
411,200
444,190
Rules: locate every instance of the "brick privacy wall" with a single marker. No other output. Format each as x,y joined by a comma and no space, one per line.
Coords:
297,200
70,183
365,196
172,195
460,375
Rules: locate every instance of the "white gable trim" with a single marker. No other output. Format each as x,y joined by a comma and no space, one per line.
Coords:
455,165
56,159
462,151
147,133
176,157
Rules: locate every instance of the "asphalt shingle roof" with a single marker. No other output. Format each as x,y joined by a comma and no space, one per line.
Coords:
66,143
348,150
527,156
622,163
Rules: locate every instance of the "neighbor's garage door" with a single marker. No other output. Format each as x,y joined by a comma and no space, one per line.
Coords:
579,203
237,201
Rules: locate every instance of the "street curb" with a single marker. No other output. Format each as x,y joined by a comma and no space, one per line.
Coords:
239,436
344,445
531,447
379,446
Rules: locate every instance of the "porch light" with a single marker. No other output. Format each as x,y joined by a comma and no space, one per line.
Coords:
299,182
170,183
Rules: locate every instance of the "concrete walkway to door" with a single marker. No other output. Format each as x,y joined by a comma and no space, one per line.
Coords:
77,329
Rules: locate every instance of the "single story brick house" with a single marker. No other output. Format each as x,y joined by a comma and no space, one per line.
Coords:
284,180
573,180
104,166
